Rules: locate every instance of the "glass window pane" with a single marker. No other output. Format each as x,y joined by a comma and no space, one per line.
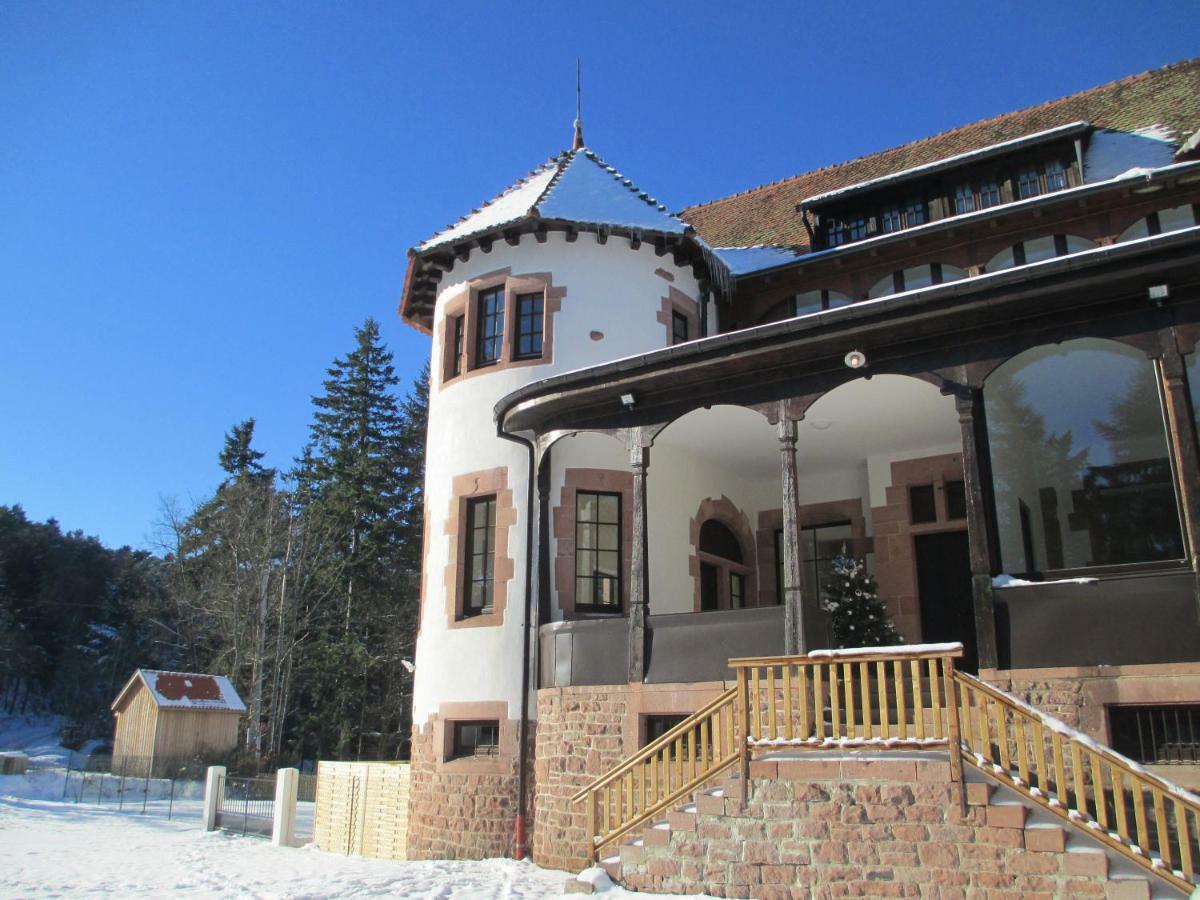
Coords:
921,506
586,507
608,563
610,537
609,506
956,500
1080,464
606,592
585,562
585,537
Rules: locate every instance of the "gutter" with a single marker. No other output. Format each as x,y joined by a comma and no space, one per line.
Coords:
520,844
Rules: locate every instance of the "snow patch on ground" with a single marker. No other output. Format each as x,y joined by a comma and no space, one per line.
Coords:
55,849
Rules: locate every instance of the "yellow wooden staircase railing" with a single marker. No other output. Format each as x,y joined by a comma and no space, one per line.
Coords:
905,698
1134,812
663,772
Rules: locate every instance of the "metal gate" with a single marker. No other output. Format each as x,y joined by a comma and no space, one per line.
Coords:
246,805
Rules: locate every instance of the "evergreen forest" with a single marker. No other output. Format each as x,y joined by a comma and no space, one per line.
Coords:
300,583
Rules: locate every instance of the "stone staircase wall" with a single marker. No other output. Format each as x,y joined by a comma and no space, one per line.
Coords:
874,827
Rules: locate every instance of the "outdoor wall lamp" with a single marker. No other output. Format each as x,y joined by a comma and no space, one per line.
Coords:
628,400
855,359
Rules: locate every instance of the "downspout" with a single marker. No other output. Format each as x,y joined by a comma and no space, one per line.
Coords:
519,848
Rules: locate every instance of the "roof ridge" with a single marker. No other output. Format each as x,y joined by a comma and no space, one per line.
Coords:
625,182
1109,85
520,182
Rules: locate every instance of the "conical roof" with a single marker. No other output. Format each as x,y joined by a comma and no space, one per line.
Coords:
576,186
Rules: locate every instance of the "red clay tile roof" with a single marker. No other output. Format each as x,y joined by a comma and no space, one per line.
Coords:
1168,96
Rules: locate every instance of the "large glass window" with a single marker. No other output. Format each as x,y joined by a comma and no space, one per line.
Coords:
820,545
480,555
598,551
1080,462
491,326
529,326
475,739
456,329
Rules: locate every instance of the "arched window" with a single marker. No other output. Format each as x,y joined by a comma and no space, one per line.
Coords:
915,277
724,576
1162,221
1035,250
1080,462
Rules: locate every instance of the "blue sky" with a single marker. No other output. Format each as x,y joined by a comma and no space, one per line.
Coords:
200,201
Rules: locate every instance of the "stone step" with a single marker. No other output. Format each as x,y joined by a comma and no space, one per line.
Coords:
612,865
633,853
711,803
1007,814
683,819
1044,838
657,835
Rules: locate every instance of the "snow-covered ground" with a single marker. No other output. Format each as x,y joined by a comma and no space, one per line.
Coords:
55,848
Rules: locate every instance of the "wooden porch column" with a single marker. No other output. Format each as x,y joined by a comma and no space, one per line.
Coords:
793,594
980,534
639,581
541,542
1182,439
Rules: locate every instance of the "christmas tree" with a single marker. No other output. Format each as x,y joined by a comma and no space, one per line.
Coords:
858,616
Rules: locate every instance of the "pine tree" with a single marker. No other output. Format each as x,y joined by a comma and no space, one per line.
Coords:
237,457
858,616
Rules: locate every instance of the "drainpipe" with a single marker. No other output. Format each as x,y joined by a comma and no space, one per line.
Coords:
520,841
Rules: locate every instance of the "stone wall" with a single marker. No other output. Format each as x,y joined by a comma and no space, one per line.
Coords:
462,809
835,828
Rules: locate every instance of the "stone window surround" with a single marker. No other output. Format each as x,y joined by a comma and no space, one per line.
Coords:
662,700
473,711
467,487
677,301
465,303
811,515
613,481
726,512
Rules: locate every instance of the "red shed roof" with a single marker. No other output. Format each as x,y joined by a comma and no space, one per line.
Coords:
185,690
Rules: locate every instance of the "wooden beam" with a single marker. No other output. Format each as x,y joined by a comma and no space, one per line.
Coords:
485,244
635,240
572,235
661,246
793,593
601,235
981,537
540,233
512,238
462,252
639,581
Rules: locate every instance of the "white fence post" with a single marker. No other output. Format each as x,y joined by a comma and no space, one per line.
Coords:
214,786
283,823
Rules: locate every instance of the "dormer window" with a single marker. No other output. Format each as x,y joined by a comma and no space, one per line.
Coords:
843,231
908,215
1034,180
970,197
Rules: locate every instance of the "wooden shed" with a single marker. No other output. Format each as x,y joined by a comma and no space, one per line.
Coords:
167,717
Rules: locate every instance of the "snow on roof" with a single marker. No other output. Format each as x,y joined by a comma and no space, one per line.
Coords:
1110,153
188,690
950,161
745,260
576,186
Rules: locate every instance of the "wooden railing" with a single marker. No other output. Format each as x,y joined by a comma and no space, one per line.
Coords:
1144,818
904,698
663,772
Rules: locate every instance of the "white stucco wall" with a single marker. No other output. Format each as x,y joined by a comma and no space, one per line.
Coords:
609,289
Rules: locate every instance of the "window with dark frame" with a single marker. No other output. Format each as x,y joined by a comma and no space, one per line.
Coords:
737,590
1028,183
1056,176
969,196
479,578
905,215
679,327
457,331
821,544
597,551
921,506
475,740
656,725
1157,735
843,231
956,500
490,326
530,322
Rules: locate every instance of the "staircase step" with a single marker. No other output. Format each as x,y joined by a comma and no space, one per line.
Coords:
633,854
979,793
683,819
612,865
1086,861
711,804
1045,838
1008,814
1132,888
657,835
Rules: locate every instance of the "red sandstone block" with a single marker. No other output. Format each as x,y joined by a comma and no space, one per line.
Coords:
1093,864
656,837
660,867
880,769
1128,889
760,852
743,873
1046,840
714,831
1001,837
1006,816
781,875
809,769
944,855
681,821
632,854
710,804
978,793
1079,887
930,770
1034,863
763,768
735,807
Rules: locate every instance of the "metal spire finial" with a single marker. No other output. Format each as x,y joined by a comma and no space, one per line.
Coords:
578,144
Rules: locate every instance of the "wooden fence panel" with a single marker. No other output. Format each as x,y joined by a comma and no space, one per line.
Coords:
362,808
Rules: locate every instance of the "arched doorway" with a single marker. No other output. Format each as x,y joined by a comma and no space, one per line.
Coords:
724,573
